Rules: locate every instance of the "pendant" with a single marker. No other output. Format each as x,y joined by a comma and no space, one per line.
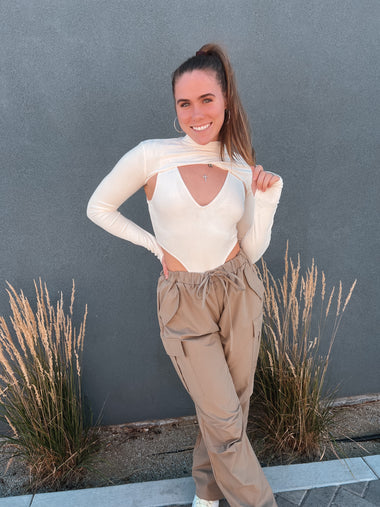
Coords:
205,176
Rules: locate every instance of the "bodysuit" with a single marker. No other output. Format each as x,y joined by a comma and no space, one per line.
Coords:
200,237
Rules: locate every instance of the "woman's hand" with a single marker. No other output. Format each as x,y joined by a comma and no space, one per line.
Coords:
262,180
165,267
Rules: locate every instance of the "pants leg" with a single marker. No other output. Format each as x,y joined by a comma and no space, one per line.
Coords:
206,485
202,472
217,371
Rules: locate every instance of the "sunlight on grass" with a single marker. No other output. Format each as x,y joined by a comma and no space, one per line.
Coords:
40,388
290,408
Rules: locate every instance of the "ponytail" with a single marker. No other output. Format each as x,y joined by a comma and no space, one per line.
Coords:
235,134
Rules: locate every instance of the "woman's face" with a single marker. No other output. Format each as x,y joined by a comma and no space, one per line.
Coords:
200,105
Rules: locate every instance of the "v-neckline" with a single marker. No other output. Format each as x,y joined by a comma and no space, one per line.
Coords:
191,195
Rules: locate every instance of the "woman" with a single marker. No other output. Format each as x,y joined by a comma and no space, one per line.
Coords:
212,212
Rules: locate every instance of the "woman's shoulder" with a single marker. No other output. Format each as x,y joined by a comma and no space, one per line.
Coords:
159,149
154,154
157,144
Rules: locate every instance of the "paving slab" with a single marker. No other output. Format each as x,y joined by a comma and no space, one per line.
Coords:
295,497
357,487
16,501
320,474
146,494
320,496
282,502
373,493
374,463
345,498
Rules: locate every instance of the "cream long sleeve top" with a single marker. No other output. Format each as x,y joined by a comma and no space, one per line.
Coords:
200,237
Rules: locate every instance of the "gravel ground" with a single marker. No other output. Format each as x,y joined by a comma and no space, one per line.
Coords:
163,450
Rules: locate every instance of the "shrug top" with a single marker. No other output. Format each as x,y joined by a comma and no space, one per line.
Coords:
200,237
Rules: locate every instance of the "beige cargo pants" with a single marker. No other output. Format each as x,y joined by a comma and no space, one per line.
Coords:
210,327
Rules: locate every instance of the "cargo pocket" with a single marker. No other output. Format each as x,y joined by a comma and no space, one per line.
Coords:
257,328
253,280
167,303
174,349
253,351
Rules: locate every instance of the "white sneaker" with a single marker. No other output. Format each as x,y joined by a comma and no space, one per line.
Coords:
199,502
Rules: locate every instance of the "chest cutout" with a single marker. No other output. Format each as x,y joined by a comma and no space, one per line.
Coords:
204,182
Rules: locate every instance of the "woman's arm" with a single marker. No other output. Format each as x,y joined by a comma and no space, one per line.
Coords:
261,203
128,175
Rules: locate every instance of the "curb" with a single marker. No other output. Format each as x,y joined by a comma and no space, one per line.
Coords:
181,491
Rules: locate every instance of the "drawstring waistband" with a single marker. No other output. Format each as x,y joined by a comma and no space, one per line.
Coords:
226,274
225,278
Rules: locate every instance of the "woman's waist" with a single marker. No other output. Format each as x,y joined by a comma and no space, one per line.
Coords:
198,261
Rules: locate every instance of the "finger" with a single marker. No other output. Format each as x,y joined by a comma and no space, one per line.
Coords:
260,180
165,268
273,180
256,170
266,181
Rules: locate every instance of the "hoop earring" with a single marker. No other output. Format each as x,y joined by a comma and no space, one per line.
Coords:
227,115
175,126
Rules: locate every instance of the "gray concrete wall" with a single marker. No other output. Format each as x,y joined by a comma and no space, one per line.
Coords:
83,82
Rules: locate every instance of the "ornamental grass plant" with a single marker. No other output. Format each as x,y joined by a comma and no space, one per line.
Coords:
41,397
291,409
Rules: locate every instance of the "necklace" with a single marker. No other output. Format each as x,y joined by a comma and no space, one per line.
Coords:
205,175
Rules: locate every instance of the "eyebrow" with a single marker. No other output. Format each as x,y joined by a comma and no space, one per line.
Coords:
201,97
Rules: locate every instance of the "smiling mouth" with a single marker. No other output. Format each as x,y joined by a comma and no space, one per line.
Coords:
201,127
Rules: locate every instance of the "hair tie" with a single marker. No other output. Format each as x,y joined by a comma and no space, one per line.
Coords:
201,53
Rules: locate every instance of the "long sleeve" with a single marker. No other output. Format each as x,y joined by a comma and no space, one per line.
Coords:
128,175
254,229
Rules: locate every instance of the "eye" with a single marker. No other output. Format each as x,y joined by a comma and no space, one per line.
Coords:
207,100
184,104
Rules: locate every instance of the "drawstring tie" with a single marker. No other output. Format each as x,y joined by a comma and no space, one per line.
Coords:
225,278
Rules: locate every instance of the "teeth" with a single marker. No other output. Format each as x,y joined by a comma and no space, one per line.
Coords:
204,127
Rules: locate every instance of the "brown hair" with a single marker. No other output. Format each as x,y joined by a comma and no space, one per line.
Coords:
235,134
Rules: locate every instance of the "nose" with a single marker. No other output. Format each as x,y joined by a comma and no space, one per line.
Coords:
197,112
